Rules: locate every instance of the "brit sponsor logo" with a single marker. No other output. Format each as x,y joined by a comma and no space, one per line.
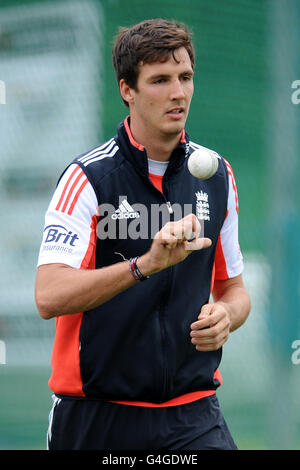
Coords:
58,233
59,238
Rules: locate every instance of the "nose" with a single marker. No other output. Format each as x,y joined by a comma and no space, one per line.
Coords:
177,91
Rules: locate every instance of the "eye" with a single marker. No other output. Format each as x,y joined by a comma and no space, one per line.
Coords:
159,80
186,78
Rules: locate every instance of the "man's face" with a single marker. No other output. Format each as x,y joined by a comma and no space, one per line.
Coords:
161,101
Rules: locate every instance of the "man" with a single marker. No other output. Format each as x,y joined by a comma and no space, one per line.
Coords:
138,343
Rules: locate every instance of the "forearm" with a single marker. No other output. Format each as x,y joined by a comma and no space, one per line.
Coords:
62,290
235,299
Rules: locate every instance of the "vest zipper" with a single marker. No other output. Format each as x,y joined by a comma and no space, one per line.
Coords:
164,303
169,206
164,336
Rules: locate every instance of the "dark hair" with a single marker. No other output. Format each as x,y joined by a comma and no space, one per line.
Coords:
148,42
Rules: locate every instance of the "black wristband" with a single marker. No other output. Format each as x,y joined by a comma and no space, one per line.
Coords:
138,276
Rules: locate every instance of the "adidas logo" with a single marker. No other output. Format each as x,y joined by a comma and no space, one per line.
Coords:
125,211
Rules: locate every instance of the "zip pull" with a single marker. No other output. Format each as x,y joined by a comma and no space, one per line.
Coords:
169,206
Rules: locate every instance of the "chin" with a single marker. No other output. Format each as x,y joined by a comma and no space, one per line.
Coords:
174,130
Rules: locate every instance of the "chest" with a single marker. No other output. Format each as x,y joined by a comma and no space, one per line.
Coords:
133,209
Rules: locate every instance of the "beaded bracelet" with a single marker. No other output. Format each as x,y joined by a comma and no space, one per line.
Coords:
138,276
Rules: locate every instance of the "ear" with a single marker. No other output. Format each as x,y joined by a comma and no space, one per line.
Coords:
126,92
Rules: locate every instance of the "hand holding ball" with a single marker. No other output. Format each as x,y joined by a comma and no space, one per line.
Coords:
203,164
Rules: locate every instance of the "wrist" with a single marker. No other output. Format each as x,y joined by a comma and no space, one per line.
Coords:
228,312
135,270
145,265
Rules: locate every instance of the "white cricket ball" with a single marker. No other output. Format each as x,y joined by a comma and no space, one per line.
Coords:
203,164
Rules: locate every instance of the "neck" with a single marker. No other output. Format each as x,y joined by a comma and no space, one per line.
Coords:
161,150
159,147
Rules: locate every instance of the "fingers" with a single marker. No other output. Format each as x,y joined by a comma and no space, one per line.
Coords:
205,318
187,228
212,328
210,344
187,231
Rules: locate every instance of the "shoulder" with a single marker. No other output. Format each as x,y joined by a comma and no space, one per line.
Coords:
90,167
100,160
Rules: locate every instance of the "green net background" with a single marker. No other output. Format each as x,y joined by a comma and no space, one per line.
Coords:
61,99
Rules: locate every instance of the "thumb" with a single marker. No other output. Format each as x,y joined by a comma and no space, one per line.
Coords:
198,244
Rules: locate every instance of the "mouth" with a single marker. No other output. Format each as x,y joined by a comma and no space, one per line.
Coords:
177,111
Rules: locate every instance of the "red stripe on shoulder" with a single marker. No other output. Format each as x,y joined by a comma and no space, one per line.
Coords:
82,186
66,187
80,174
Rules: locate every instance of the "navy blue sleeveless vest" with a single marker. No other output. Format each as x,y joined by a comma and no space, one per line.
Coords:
137,346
